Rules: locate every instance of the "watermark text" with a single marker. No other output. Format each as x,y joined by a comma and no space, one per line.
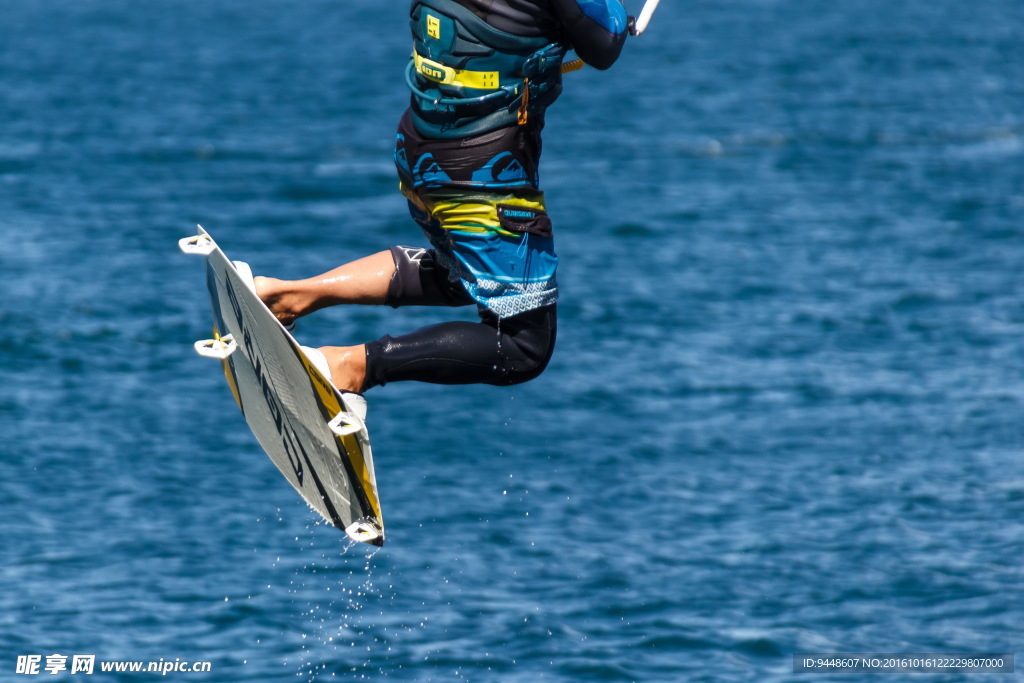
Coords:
54,664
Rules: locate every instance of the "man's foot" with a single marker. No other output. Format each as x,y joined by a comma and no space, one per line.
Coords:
271,292
355,403
259,287
348,366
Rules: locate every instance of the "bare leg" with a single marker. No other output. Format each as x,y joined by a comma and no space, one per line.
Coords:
348,366
364,281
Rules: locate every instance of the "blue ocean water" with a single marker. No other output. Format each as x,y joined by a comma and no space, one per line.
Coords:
784,416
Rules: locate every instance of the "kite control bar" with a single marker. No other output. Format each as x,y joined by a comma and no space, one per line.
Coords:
637,25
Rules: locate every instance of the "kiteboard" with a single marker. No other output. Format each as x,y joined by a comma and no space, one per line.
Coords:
311,431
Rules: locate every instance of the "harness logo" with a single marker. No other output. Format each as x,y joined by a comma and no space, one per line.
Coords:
432,73
433,27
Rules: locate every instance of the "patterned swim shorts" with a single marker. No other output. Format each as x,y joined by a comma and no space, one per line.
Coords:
499,246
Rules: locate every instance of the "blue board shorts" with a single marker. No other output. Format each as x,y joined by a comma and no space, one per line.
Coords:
500,247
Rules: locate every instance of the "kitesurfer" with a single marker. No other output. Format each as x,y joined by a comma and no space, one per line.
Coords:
482,75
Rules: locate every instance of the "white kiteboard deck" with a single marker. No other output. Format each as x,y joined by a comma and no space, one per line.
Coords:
300,419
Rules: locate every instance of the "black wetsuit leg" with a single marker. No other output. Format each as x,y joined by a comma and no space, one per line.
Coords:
492,351
509,351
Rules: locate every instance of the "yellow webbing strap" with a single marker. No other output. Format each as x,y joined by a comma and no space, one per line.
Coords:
446,75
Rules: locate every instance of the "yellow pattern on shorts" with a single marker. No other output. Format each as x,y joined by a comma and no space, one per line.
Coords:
469,212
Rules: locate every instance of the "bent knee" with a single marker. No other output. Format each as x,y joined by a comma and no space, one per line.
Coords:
529,342
524,370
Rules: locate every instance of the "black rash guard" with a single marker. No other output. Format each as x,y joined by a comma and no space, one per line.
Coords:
597,39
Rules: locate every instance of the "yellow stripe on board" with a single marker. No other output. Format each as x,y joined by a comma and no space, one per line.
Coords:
226,365
350,443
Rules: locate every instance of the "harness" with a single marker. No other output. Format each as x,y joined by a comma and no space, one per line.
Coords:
468,78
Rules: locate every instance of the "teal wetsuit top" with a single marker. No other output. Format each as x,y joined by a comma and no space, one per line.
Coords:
479,65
